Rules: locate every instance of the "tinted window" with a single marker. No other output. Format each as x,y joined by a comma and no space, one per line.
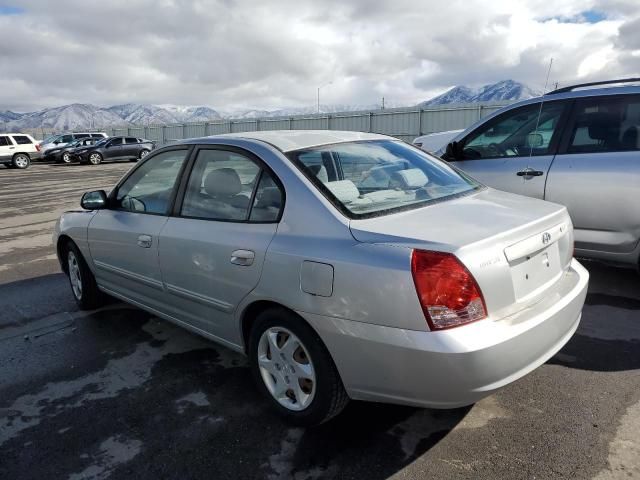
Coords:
149,187
268,200
606,125
4,141
522,132
66,138
220,186
116,141
81,135
131,140
97,135
22,140
381,176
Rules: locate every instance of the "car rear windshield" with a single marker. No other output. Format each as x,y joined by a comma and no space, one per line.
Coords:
371,178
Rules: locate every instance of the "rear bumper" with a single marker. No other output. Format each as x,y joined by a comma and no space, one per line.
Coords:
456,367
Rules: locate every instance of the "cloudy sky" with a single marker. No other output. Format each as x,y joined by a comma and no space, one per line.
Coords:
266,54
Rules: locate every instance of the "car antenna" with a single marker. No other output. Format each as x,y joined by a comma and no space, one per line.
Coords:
544,93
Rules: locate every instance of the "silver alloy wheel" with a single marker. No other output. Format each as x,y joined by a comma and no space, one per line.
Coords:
94,159
66,158
21,161
286,368
74,274
144,153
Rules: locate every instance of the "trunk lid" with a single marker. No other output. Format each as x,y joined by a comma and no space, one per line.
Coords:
516,247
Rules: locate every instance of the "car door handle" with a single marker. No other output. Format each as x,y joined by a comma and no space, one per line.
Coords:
145,241
12,148
530,172
243,257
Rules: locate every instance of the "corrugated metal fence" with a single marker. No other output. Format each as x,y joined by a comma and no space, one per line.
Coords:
403,123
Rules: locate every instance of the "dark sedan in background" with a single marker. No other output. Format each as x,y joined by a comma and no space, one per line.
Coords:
65,153
114,149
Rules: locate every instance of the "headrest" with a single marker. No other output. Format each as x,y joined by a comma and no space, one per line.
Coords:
320,171
344,190
603,125
411,178
223,182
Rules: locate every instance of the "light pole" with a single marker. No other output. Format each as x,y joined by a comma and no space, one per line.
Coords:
322,86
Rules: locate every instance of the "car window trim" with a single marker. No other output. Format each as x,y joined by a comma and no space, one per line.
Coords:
571,121
261,164
172,198
553,144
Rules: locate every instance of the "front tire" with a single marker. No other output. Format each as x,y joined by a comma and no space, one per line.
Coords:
95,158
66,157
294,370
143,153
21,161
83,284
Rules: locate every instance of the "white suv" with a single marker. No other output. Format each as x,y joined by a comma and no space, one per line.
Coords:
57,141
18,149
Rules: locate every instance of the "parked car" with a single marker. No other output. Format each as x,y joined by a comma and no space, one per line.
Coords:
432,142
65,154
61,140
18,149
344,264
577,146
113,149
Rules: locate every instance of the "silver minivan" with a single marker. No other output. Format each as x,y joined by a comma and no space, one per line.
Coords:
578,146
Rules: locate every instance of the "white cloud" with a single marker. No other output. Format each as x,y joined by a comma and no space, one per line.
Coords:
229,53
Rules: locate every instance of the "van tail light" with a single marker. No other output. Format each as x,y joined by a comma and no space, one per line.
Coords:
448,293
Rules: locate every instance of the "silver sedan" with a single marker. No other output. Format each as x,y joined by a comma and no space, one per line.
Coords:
345,265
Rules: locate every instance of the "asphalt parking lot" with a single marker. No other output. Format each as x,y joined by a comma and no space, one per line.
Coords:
117,393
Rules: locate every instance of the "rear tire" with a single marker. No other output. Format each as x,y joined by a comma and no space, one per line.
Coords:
21,161
301,382
83,284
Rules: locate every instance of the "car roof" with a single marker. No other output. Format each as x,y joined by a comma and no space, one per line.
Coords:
580,93
290,140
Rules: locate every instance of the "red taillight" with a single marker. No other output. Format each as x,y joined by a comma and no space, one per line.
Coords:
38,147
448,293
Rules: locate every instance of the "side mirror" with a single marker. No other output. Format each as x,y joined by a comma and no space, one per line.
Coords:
452,152
56,142
95,200
534,140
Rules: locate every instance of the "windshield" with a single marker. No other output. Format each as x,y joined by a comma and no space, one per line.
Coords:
369,178
50,139
102,141
75,143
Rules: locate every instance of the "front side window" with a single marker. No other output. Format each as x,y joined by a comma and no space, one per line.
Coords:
149,188
116,141
22,140
523,132
81,135
66,138
375,177
606,125
221,187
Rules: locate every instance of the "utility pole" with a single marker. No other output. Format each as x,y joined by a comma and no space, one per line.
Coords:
318,98
382,103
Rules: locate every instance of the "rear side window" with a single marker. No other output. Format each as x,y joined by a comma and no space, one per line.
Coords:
606,125
131,140
4,141
22,140
229,186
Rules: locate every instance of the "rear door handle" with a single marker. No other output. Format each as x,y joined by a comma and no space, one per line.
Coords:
243,257
530,172
145,241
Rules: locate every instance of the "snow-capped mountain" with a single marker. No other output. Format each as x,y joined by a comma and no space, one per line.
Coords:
503,90
80,115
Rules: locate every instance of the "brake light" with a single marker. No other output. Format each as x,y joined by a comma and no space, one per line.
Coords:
38,147
448,293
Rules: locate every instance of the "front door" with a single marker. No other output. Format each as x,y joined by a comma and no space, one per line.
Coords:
123,239
113,149
212,252
513,151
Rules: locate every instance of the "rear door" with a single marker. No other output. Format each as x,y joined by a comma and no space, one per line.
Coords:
131,147
7,148
123,239
213,249
513,151
596,173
